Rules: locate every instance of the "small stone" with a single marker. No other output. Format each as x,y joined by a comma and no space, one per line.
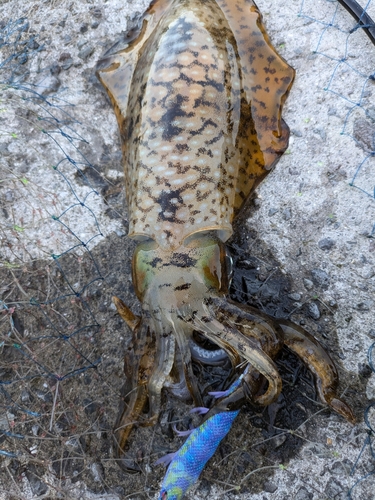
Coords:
269,487
295,296
94,25
296,132
55,69
67,64
364,370
64,56
25,395
90,407
320,278
84,54
37,486
303,494
308,283
72,443
120,233
33,44
84,28
9,196
371,112
279,440
372,333
335,490
4,149
81,43
49,85
341,468
363,131
322,133
326,244
272,211
97,471
313,310
287,214
96,12
67,39
366,305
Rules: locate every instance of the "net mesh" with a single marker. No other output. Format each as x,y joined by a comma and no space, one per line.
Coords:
60,338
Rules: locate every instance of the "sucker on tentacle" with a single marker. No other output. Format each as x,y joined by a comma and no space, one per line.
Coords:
198,90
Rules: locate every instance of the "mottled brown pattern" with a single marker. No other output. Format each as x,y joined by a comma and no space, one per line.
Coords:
198,90
199,106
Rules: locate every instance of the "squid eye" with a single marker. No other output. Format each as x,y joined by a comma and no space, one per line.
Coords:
229,266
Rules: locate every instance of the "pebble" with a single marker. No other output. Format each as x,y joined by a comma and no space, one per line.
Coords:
84,28
332,303
9,195
303,494
279,440
295,296
308,284
321,132
97,471
371,112
313,310
341,468
326,243
272,211
296,132
335,490
84,54
67,64
81,43
96,12
4,149
287,214
320,278
269,487
363,131
366,305
37,486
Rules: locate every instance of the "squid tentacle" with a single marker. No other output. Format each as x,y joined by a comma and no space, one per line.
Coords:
178,388
135,391
250,322
165,353
248,348
307,348
181,332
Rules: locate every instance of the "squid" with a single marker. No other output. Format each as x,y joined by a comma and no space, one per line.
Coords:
198,91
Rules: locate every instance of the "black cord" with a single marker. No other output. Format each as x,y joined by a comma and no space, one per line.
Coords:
363,19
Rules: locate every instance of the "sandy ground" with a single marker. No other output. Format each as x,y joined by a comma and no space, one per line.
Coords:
307,244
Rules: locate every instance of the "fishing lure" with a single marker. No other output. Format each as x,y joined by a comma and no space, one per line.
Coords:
198,91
